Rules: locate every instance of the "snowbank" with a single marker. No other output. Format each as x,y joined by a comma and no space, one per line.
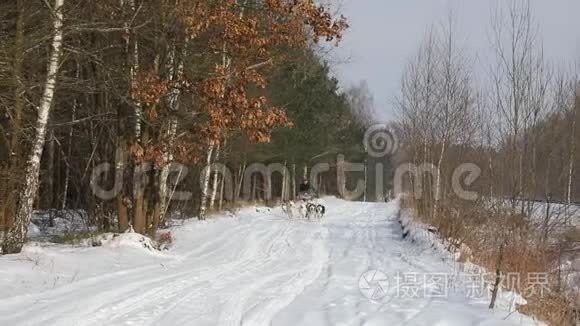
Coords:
426,236
43,266
124,240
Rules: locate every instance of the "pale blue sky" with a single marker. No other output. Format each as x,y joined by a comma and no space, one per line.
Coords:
384,34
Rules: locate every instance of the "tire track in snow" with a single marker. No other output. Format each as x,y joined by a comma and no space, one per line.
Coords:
69,288
191,293
286,284
58,298
183,291
187,282
268,310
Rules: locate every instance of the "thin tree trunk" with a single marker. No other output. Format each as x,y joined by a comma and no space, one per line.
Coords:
491,175
139,200
18,86
163,193
132,49
225,64
123,201
284,193
205,188
547,221
143,175
221,201
240,181
572,149
16,235
50,175
215,180
293,181
133,72
7,209
69,149
497,278
173,103
438,182
163,214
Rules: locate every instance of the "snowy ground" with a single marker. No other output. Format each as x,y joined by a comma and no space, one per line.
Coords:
258,268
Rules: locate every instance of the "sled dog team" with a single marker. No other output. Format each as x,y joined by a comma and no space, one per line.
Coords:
308,207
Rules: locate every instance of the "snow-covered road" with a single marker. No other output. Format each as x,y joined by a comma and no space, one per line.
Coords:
258,268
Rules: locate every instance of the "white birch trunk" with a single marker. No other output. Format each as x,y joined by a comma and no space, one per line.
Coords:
133,72
138,109
163,192
205,186
572,157
438,181
221,201
215,181
173,103
17,234
241,180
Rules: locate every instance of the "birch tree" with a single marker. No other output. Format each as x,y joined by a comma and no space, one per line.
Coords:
16,235
519,84
454,117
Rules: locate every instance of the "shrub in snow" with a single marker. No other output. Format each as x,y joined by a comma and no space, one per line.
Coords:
51,223
164,240
120,240
127,239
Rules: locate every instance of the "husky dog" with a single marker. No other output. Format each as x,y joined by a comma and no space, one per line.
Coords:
315,210
287,208
310,210
320,210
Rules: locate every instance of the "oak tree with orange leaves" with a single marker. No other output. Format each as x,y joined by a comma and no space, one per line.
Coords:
240,41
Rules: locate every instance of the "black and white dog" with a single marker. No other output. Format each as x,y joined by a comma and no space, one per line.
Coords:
315,210
321,210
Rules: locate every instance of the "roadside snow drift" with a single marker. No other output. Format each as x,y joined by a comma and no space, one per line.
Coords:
258,268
